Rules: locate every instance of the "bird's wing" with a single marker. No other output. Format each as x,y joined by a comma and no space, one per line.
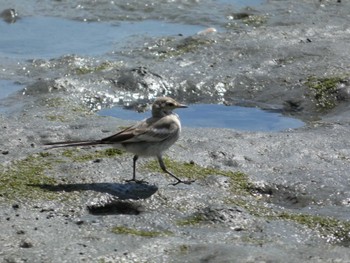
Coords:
121,136
150,130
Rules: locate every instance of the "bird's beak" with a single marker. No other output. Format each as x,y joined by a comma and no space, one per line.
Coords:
181,106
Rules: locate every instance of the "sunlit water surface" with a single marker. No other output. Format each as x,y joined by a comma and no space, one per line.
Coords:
219,116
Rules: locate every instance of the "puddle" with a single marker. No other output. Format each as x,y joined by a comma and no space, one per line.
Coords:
8,103
8,87
50,37
219,116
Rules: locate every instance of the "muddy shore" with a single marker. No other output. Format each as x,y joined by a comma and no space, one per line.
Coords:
258,196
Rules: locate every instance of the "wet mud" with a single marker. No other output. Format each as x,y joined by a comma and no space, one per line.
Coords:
258,196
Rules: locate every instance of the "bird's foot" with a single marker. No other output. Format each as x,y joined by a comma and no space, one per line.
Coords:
136,181
183,182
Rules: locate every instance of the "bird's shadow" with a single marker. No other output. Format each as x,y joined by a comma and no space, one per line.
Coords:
121,191
109,206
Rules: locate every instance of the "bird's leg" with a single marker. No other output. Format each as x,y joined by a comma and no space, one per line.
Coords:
134,167
162,165
136,157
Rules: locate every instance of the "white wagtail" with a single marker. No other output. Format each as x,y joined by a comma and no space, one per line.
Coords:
150,137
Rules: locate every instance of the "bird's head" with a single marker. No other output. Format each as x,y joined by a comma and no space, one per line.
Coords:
166,105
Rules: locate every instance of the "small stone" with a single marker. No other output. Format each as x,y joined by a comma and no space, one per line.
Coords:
20,232
26,244
80,222
50,216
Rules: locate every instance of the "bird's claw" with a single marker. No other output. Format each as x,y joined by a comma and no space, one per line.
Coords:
183,182
136,181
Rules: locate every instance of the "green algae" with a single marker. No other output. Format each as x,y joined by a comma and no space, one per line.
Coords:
255,20
77,155
184,249
332,229
191,44
248,19
324,90
238,180
17,180
122,230
86,69
56,118
105,65
54,102
175,48
21,180
192,220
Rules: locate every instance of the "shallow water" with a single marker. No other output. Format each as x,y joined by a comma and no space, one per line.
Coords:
7,87
9,103
219,116
197,115
44,37
50,37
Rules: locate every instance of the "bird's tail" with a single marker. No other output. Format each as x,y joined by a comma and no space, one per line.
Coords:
72,144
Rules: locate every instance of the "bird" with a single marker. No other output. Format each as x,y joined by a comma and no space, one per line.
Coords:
148,138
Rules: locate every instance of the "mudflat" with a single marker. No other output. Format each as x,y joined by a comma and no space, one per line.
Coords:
257,196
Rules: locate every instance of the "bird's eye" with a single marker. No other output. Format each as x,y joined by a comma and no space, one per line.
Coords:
170,104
